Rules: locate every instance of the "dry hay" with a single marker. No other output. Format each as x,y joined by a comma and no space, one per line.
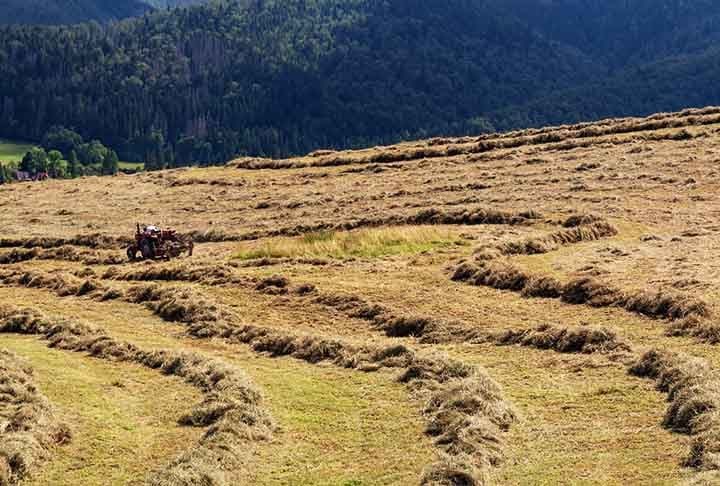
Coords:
208,274
465,409
232,408
579,339
95,240
552,241
555,138
585,290
693,389
460,397
428,330
66,252
28,426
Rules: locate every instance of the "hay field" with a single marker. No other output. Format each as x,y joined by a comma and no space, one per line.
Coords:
531,308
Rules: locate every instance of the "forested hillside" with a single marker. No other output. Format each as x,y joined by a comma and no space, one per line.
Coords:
271,77
67,12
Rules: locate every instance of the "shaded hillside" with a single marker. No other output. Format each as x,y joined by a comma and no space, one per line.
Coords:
671,84
273,78
300,76
64,12
621,32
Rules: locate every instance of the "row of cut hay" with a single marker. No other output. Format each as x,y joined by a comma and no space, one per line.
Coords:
67,253
553,241
702,329
579,339
430,216
585,129
553,139
428,330
232,408
96,240
209,274
29,429
584,290
465,410
63,246
693,389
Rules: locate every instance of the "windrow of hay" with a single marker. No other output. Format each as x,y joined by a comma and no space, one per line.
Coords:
584,290
465,410
693,389
430,216
29,429
578,339
95,240
67,253
555,139
618,125
552,241
232,409
215,274
428,330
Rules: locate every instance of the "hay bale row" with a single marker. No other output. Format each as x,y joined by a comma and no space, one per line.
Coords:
693,389
552,241
232,408
585,290
28,427
579,339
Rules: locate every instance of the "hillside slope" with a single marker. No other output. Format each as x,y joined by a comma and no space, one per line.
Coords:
537,307
276,78
64,12
301,76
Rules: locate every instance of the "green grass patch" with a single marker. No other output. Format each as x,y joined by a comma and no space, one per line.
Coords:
13,151
131,165
363,243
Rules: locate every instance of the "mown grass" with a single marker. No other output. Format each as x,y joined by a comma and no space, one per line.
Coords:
363,243
13,151
335,426
122,428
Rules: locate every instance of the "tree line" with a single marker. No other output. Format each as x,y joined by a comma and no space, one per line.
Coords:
63,155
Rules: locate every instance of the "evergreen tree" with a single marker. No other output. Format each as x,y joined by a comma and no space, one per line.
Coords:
74,169
111,163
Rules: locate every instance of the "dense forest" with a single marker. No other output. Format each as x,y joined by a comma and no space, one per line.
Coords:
56,12
205,83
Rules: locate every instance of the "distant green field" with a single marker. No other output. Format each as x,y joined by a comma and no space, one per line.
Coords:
13,151
132,165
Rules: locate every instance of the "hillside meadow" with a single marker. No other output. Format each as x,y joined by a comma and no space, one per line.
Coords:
529,308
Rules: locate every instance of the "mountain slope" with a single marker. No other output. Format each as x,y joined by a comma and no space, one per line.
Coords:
622,32
300,76
671,84
67,12
273,78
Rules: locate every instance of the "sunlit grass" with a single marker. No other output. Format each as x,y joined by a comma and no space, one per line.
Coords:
13,151
363,243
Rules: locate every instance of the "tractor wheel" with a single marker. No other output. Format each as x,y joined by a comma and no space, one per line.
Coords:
147,248
132,253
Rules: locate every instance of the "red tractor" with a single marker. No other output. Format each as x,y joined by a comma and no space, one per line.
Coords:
155,244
